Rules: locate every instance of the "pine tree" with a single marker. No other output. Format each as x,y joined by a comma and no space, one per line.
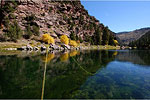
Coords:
98,37
105,36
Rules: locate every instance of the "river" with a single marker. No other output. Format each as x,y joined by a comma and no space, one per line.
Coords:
94,74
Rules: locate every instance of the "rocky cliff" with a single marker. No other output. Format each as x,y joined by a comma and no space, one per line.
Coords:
36,17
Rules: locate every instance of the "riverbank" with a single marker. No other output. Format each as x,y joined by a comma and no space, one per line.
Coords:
14,46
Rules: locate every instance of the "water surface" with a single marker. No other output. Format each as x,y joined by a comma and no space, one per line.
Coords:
76,74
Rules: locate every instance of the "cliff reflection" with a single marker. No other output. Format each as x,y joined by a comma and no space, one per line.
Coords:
21,77
140,57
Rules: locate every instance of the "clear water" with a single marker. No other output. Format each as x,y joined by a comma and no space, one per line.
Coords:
77,74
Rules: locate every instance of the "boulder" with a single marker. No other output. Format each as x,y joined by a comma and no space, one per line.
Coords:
29,47
66,47
58,32
35,48
22,48
11,49
54,35
42,47
55,47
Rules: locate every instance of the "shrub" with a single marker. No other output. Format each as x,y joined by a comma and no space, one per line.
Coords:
73,43
11,16
50,9
65,17
6,21
48,39
8,7
30,18
80,39
28,32
64,39
81,18
31,30
2,38
90,26
36,30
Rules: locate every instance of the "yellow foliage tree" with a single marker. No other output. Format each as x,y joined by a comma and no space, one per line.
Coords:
64,39
48,39
73,43
116,42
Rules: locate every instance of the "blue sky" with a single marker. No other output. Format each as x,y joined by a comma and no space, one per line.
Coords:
120,15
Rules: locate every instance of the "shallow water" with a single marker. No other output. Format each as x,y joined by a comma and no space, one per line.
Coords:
76,74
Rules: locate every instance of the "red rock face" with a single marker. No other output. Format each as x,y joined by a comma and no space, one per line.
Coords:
57,17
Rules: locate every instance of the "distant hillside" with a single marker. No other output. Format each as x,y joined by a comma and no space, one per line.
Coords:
142,42
127,37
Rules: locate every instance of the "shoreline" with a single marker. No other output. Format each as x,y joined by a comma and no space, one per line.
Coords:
10,46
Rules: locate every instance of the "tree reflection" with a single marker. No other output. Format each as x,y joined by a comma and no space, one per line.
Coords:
21,77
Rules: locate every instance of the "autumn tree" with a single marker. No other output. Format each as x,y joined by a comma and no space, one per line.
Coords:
73,43
47,39
116,42
64,39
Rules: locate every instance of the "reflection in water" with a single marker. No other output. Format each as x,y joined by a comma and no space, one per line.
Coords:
64,57
50,56
74,53
135,56
67,75
115,53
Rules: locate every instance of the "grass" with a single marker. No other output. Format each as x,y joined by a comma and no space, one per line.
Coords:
4,45
105,47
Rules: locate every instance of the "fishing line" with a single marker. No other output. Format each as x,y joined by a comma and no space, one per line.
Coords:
81,67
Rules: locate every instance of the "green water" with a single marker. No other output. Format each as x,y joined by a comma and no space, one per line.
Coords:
77,74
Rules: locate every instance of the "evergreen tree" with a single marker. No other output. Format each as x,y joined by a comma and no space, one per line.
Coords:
111,40
14,32
105,36
72,36
98,37
143,42
28,32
